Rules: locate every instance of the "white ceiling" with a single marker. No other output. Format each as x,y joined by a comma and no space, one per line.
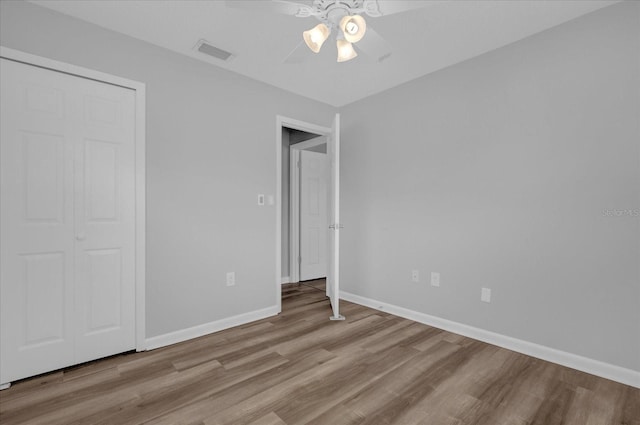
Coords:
435,36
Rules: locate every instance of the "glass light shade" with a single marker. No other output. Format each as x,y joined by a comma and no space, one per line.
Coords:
316,36
353,28
345,51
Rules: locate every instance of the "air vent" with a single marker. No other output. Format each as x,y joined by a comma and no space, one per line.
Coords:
204,47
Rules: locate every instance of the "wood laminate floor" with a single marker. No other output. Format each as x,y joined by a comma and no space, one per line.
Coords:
301,368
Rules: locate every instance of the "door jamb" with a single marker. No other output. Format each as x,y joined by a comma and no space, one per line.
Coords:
311,143
140,137
282,121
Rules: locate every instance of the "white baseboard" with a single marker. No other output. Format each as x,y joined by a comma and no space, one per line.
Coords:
574,361
285,279
208,328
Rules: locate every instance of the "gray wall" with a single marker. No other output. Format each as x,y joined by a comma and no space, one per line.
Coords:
210,151
496,172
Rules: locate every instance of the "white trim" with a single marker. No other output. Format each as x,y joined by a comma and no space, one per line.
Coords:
140,137
294,214
282,121
209,328
574,361
141,220
303,126
285,280
278,294
311,143
43,62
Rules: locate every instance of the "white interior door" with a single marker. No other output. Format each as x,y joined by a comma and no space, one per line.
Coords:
67,284
36,219
333,275
104,220
314,173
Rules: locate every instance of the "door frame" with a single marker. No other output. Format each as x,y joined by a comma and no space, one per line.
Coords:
286,122
140,138
294,203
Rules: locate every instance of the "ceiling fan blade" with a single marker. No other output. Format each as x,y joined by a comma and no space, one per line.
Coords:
374,45
274,6
298,55
377,8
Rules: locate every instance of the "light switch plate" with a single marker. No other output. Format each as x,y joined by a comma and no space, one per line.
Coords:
485,295
261,199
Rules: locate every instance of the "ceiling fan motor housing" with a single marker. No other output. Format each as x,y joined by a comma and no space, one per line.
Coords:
332,11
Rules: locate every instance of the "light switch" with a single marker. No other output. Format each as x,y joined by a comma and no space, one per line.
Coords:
270,200
261,199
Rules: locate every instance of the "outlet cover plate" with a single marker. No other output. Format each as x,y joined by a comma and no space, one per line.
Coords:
485,295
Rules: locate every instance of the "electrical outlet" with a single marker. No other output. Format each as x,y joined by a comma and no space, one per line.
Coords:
435,279
485,295
415,276
231,278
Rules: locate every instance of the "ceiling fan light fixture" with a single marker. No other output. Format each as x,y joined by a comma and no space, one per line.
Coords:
353,27
316,36
345,51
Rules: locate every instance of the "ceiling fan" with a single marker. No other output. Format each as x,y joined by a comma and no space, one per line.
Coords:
343,18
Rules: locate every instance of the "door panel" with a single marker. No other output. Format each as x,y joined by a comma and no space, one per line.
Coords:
313,215
43,281
333,275
105,289
67,287
101,181
44,167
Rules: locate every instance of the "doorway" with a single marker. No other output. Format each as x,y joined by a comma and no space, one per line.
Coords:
308,209
329,137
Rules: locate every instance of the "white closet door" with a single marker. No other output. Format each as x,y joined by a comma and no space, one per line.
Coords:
104,220
314,172
66,255
36,218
